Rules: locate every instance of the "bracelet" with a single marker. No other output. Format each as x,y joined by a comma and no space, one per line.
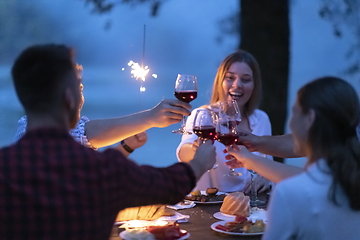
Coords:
126,147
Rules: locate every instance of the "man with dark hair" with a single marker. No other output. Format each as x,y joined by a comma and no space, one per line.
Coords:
53,187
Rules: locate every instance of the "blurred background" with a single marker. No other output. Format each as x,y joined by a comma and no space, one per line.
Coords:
185,36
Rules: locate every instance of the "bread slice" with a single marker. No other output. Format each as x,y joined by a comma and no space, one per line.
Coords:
236,203
151,212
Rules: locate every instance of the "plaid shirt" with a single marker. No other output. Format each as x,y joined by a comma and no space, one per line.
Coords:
54,188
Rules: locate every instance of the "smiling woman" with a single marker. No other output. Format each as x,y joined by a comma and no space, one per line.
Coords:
237,79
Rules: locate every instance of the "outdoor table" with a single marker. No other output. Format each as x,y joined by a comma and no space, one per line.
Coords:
201,218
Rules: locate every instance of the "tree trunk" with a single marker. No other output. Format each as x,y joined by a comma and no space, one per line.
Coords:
264,32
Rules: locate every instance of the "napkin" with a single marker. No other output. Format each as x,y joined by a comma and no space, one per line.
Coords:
182,205
257,213
176,217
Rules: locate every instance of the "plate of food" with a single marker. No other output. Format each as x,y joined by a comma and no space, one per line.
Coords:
255,214
210,196
241,226
130,235
224,217
169,231
149,213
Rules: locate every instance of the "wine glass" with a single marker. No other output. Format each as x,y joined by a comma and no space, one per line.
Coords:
204,125
229,110
227,134
254,201
185,90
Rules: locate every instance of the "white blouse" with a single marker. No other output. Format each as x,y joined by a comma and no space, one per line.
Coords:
300,209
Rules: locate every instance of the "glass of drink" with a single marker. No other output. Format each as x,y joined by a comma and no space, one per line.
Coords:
226,128
204,125
185,90
254,201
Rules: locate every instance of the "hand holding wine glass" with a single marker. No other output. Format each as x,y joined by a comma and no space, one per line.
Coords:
229,118
204,125
185,90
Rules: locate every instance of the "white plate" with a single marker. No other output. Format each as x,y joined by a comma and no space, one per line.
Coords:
256,213
223,216
213,202
186,236
231,233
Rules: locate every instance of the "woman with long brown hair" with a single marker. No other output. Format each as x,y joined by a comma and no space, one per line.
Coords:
238,78
322,202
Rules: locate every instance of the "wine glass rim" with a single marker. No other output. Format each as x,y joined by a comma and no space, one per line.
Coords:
180,74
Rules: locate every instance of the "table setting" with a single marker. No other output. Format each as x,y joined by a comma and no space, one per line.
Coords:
202,221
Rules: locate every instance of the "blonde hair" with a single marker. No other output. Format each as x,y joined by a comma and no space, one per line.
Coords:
238,56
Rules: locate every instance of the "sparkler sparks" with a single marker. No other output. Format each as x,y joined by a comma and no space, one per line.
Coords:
139,72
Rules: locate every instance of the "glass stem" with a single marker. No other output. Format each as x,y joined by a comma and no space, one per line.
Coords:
253,187
183,122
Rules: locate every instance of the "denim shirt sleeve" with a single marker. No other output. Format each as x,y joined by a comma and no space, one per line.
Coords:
20,131
79,134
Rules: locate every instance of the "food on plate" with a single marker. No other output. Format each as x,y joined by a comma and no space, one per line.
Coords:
236,203
209,196
258,226
151,212
212,191
170,231
242,225
139,234
195,193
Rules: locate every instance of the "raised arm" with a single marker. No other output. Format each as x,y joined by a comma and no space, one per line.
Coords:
274,171
185,151
278,146
104,132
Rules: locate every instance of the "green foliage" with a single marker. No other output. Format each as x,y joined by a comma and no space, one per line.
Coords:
105,6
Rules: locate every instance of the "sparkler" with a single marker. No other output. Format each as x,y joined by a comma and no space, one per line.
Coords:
140,72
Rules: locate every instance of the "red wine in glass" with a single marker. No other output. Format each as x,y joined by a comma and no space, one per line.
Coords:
205,132
186,95
229,118
186,91
227,139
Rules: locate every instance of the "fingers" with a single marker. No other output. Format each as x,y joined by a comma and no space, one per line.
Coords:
175,102
262,184
262,189
173,116
233,163
141,137
177,106
195,145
